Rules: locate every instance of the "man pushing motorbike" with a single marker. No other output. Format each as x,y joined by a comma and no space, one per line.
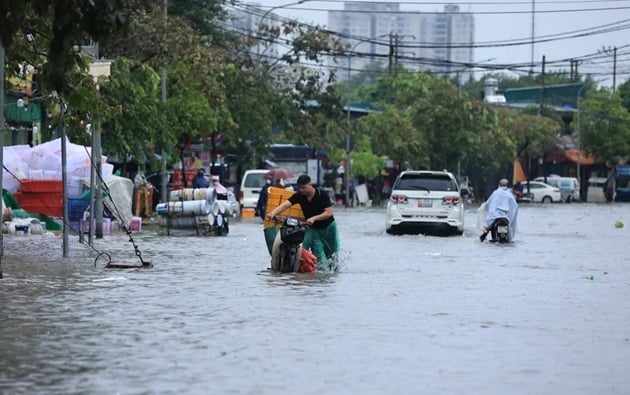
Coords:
322,235
501,204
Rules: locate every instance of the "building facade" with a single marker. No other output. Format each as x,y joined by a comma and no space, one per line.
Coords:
441,42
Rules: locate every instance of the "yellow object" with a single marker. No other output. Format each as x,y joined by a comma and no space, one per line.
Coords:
248,213
618,224
144,200
275,197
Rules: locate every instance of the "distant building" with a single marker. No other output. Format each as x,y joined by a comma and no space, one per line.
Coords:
437,32
248,21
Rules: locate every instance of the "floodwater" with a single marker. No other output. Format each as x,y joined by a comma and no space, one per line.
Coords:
549,314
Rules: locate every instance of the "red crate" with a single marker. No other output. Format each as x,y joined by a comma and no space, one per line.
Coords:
50,204
39,186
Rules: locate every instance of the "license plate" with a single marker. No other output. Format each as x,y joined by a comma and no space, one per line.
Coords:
425,202
502,229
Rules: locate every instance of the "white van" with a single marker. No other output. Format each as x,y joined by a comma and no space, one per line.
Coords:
569,187
251,185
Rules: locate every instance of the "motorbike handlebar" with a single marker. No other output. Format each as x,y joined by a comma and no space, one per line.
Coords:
281,220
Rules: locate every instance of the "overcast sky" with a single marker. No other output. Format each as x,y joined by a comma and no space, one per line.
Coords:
514,23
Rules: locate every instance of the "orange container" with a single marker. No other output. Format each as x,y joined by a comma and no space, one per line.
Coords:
277,196
248,213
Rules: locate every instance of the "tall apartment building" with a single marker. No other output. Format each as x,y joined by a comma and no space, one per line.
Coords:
434,41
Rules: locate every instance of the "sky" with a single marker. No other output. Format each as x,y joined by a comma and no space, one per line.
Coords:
511,20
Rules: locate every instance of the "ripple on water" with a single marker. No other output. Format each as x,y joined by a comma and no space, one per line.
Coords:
405,315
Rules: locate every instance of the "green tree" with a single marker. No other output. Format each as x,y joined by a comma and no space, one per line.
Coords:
605,126
62,25
624,92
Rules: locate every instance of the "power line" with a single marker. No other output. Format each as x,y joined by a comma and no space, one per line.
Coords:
473,2
595,30
414,12
441,62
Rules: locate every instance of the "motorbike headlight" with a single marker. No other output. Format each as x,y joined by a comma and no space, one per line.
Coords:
292,221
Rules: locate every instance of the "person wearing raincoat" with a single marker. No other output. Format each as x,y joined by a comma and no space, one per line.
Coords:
501,204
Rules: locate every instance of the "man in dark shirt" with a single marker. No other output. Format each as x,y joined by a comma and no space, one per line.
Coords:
322,236
200,180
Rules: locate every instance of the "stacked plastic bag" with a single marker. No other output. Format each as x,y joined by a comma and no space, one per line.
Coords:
43,162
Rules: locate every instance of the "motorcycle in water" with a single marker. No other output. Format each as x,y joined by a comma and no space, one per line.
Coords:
500,231
287,254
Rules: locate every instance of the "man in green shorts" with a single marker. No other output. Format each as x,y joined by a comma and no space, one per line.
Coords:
322,236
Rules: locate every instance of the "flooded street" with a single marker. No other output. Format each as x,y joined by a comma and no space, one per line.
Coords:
549,314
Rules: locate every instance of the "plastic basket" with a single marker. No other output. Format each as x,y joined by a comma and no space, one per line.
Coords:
275,197
76,208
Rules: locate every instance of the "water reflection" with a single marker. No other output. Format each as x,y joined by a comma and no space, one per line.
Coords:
297,280
405,315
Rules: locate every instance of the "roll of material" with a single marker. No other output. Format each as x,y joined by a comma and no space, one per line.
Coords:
214,208
187,194
186,208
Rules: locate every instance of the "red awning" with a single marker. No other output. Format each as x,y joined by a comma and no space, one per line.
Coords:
574,155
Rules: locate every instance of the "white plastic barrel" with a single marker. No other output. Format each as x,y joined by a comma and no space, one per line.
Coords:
188,208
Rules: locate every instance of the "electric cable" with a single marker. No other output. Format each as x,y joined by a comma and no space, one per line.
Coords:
125,227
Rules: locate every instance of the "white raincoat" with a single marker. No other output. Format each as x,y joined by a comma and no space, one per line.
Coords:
502,204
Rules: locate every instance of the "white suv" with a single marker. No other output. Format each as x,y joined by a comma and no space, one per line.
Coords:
425,202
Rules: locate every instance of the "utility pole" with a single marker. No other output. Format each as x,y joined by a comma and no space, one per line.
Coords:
531,68
391,53
614,68
542,87
396,37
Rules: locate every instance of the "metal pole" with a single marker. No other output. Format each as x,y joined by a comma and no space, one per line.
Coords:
614,69
64,181
531,67
579,142
92,190
1,145
164,189
348,133
98,199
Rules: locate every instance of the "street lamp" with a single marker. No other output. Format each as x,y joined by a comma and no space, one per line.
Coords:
347,167
348,164
269,11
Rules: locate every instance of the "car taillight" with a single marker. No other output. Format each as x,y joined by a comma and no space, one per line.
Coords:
454,200
399,199
556,189
240,196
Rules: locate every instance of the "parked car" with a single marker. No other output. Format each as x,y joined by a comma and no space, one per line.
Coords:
569,187
425,202
543,193
251,185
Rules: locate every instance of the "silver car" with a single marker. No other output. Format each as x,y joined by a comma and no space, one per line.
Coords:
425,202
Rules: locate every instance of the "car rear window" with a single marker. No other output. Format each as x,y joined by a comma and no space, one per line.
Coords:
255,180
423,182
